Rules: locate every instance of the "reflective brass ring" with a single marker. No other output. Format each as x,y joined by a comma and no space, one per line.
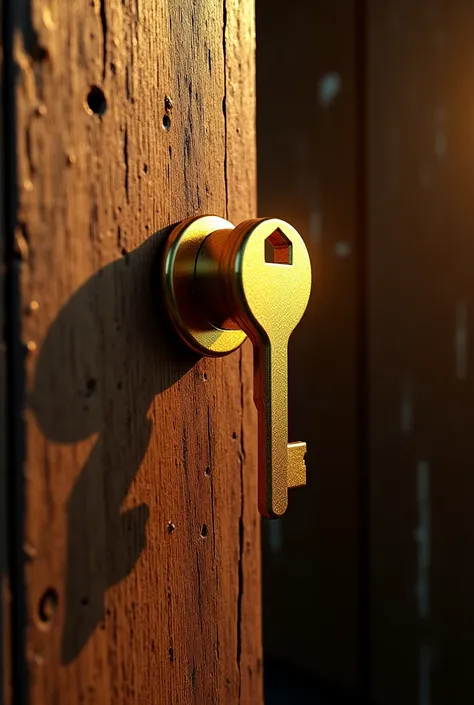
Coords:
183,303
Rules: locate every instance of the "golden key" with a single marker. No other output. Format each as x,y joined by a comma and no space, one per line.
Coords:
223,283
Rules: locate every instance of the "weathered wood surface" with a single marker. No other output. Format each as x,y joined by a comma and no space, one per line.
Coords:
421,171
307,174
141,534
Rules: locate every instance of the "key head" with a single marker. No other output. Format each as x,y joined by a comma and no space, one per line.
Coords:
271,286
273,278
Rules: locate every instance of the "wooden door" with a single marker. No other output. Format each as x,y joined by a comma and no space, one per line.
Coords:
132,463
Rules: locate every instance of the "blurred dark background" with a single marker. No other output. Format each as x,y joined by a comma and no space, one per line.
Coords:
366,145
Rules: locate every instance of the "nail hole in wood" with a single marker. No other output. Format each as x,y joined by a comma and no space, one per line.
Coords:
96,101
204,531
171,527
166,122
91,386
48,605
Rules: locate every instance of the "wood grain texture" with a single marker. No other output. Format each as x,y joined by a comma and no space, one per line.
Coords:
307,151
421,168
142,535
240,178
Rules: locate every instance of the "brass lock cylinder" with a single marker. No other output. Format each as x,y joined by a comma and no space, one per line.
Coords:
215,274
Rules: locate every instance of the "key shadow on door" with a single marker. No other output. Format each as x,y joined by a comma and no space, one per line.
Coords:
108,353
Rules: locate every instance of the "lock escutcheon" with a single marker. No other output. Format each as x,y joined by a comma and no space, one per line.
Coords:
224,283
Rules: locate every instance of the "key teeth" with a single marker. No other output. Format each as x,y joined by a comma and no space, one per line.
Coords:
296,464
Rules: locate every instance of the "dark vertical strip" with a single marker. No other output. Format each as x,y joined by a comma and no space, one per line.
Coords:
15,375
224,105
103,21
3,438
362,342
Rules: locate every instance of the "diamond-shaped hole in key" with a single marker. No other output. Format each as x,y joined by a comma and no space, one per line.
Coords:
278,249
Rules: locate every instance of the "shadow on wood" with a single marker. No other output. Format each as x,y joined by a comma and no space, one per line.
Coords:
109,352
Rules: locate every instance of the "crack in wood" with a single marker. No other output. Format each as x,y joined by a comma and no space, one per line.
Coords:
241,528
224,106
103,21
125,161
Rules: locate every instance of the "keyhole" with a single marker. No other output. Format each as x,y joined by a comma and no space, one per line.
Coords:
278,249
